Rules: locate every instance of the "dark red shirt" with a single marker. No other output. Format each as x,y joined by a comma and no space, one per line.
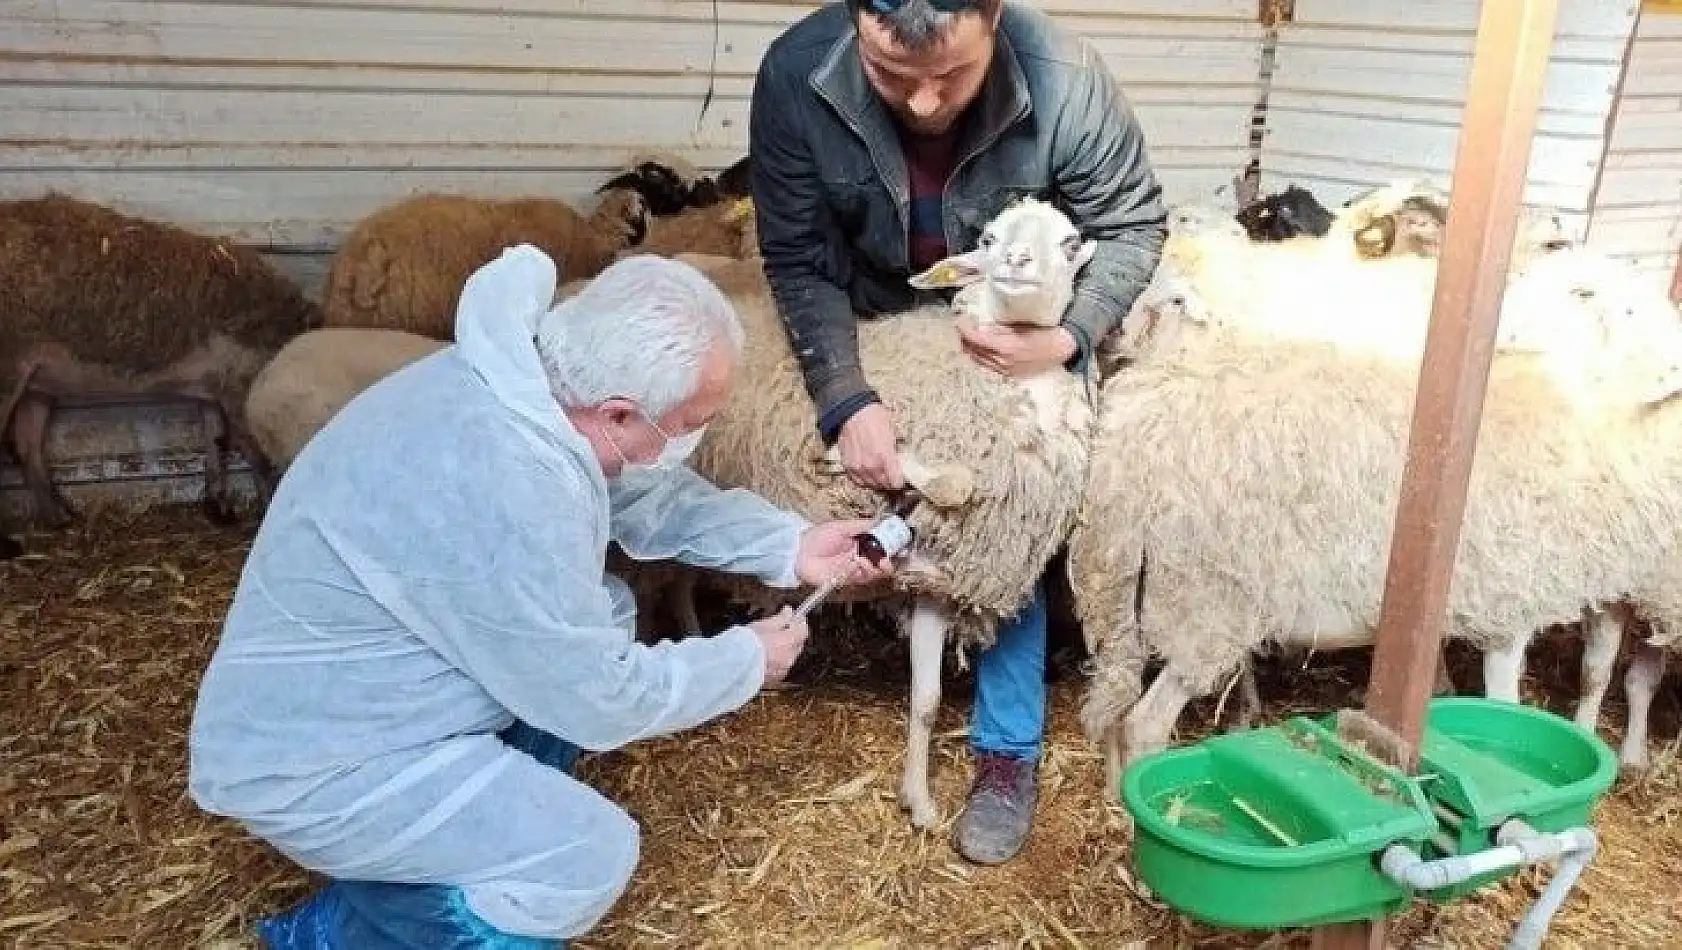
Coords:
928,160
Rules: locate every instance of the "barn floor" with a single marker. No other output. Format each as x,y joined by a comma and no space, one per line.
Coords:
776,827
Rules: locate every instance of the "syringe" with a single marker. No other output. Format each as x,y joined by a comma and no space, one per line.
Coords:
886,539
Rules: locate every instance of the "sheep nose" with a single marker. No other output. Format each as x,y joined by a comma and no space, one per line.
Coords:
1017,255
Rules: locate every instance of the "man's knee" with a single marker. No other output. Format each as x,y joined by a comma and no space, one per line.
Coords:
580,890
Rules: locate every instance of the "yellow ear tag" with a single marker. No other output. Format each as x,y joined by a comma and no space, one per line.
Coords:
740,210
943,275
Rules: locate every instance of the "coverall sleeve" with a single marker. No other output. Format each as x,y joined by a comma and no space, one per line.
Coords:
1109,183
802,250
533,625
679,515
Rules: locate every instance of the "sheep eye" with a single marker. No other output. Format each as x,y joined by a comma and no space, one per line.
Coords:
1071,245
987,240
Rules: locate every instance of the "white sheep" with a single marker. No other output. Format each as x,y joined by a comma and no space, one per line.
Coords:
317,374
1258,480
1013,451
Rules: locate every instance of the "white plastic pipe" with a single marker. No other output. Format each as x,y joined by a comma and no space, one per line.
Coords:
1579,848
1516,844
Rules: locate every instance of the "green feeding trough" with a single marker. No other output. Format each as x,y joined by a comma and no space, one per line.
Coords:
1296,826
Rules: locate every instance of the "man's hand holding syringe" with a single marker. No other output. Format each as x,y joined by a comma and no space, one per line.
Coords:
870,551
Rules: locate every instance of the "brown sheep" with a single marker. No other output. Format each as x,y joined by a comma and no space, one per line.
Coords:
404,266
727,229
104,305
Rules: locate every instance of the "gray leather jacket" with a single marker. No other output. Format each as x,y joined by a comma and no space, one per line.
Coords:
831,191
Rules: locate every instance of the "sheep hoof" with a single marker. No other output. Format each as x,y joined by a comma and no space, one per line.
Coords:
218,512
1633,765
921,806
948,486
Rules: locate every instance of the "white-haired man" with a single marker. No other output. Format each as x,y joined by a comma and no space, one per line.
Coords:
424,635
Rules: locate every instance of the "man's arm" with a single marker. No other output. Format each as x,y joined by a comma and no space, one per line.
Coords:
528,618
1107,179
678,515
799,243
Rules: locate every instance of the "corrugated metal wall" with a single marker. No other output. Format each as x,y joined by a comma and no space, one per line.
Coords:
283,123
1638,210
1365,91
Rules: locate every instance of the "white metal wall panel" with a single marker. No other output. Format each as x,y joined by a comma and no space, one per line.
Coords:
1366,91
280,123
1638,210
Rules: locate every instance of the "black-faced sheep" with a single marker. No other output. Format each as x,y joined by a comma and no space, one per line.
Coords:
403,266
1290,213
670,184
103,305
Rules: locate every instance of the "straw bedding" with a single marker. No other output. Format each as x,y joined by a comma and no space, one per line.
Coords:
770,828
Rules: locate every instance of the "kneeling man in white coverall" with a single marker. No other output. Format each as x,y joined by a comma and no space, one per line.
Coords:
424,635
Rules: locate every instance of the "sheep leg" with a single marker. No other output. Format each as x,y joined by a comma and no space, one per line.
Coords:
928,635
1151,720
1249,698
240,438
1603,634
217,508
1503,667
1641,681
12,384
29,438
1445,681
945,486
681,596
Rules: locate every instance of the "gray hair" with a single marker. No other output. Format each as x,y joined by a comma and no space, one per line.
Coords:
916,24
639,330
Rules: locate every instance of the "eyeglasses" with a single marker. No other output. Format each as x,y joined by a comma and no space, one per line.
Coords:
944,6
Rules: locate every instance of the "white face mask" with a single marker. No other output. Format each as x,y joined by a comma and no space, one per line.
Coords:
672,455
677,451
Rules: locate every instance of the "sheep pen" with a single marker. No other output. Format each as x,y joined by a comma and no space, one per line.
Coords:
773,827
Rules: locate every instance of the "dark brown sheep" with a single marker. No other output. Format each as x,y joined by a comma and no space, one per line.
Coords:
104,305
404,266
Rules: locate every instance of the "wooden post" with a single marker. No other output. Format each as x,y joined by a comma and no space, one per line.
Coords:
1509,63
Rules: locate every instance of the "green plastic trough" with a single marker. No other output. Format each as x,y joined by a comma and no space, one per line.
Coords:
1282,827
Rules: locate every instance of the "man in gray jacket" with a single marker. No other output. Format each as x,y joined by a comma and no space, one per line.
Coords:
885,133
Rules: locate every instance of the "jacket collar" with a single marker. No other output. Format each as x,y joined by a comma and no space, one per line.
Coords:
840,80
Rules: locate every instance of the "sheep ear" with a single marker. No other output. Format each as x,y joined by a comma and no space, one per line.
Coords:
959,270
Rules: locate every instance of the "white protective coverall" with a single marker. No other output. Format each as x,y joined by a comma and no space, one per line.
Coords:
431,567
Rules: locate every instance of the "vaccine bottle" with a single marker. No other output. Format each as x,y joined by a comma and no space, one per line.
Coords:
893,534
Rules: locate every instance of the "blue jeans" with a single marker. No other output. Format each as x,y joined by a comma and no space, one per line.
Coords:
379,915
1009,713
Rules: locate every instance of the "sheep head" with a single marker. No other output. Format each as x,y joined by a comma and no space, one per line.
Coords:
1023,270
1403,217
1289,213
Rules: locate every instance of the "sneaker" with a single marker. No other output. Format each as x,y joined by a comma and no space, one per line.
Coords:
1000,811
